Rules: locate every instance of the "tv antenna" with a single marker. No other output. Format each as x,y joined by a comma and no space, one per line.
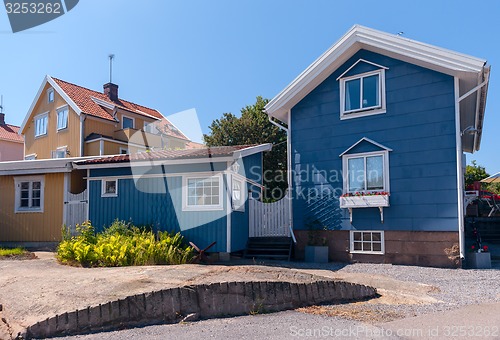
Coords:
111,57
400,33
1,103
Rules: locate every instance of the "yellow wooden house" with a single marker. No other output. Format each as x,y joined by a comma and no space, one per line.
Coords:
68,120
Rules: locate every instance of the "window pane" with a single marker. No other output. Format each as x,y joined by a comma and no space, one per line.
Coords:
352,94
24,203
35,203
377,247
376,237
36,193
357,236
128,123
371,91
357,246
110,187
367,246
356,171
375,175
367,236
25,185
62,119
51,96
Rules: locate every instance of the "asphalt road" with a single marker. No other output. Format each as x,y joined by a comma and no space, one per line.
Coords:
471,322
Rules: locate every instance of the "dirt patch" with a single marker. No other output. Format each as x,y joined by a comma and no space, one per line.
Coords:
359,311
24,256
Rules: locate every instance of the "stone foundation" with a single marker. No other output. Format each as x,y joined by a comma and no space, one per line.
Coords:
420,248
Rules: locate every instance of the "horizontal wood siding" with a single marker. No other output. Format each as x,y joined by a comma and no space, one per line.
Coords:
44,145
418,126
157,202
32,227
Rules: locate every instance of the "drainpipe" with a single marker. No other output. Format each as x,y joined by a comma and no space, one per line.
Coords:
459,153
289,167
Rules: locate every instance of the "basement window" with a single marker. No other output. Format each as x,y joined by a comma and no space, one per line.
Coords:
367,242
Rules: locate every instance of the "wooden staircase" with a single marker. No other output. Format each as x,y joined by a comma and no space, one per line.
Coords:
274,248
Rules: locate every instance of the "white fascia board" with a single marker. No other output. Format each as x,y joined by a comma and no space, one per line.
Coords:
57,88
359,37
104,103
252,150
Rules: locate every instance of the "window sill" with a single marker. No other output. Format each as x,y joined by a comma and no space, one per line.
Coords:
366,252
62,129
203,208
41,136
364,201
358,114
23,211
109,195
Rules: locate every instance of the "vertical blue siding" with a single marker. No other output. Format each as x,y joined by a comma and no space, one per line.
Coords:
251,168
161,210
419,126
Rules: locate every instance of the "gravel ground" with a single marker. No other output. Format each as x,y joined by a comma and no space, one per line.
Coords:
452,288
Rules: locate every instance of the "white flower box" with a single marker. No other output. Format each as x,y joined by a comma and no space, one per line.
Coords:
364,201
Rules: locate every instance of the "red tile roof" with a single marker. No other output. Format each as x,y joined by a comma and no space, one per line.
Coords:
194,145
10,133
82,97
218,151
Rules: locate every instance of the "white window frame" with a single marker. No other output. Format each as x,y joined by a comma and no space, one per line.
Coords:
60,110
124,149
63,150
128,117
385,162
363,111
382,242
238,205
149,127
103,187
50,92
39,117
17,185
187,207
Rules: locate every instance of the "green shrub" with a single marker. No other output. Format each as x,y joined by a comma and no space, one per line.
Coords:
123,244
11,251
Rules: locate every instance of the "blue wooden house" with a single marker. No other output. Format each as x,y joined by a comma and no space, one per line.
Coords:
203,193
377,130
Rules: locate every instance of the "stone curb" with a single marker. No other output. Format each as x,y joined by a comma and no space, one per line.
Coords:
206,301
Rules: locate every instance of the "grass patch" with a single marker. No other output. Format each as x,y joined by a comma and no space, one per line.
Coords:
11,252
122,244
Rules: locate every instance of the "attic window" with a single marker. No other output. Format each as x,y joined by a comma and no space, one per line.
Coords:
362,94
50,95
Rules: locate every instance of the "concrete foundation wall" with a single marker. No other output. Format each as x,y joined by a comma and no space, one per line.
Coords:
421,248
207,301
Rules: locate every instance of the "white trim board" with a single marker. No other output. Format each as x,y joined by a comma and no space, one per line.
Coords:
366,139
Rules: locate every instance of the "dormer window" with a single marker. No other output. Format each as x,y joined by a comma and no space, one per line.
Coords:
127,122
362,94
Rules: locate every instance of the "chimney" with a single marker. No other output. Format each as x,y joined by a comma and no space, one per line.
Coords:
111,90
2,118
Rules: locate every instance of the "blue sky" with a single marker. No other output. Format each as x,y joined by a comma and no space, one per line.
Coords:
217,56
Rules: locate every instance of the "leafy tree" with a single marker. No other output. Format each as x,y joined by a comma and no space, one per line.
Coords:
253,127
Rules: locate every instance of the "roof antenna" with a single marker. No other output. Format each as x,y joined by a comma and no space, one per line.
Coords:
400,33
1,103
111,57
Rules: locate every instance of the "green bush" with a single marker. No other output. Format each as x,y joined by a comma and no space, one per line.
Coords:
122,244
